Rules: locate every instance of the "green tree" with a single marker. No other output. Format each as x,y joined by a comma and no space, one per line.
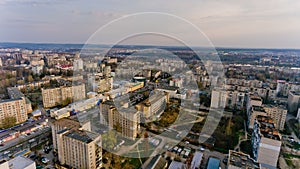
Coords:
66,102
8,122
109,140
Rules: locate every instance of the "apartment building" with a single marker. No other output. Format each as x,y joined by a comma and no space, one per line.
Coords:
252,100
266,142
153,107
240,160
79,149
104,84
255,111
54,96
283,87
15,93
229,99
67,123
13,108
278,115
122,118
293,101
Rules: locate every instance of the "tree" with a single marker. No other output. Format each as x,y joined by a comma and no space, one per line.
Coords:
30,78
66,102
8,122
109,140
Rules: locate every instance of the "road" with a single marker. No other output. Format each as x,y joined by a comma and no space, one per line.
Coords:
19,144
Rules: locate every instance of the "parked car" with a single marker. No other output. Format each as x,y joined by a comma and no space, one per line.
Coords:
45,160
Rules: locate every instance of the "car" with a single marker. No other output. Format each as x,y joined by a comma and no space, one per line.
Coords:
201,149
6,152
45,160
33,157
225,160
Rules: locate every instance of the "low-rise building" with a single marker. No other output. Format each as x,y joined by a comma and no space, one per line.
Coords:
18,162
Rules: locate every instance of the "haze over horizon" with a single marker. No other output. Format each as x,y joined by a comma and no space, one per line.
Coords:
233,23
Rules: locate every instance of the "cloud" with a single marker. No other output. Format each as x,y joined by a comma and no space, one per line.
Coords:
231,22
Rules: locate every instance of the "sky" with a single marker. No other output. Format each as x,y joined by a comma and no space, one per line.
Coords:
225,23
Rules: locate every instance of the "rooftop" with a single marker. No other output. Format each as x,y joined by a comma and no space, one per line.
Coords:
20,162
267,128
213,163
81,135
9,100
242,160
164,87
14,93
258,108
255,97
67,123
196,160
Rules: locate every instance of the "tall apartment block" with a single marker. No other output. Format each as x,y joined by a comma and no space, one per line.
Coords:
127,119
79,149
266,142
278,115
76,145
231,98
54,96
15,93
67,123
293,101
13,108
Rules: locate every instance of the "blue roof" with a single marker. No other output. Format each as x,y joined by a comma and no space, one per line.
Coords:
213,163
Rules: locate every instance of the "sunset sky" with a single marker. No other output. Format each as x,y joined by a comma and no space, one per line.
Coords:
230,23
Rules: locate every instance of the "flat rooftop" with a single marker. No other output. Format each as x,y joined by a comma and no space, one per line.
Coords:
267,128
164,87
242,160
255,97
258,108
20,162
83,136
14,93
68,123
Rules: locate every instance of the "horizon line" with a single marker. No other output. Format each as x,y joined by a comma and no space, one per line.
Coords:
216,47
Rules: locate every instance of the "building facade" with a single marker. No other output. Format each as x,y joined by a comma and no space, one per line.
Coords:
293,101
266,142
13,108
79,149
153,107
54,96
125,120
278,115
